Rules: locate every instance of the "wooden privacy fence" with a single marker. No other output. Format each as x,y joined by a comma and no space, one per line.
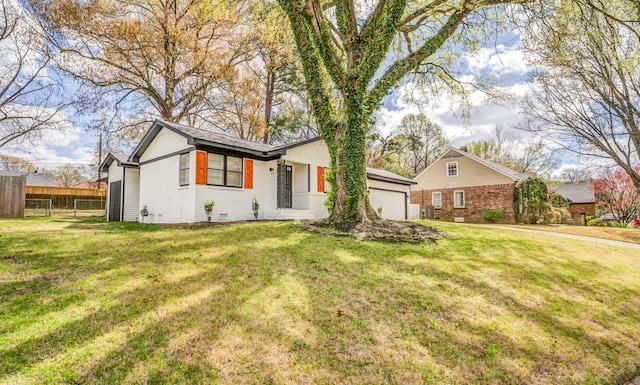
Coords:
63,197
12,193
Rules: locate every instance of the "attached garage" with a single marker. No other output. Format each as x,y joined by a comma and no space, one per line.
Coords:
389,193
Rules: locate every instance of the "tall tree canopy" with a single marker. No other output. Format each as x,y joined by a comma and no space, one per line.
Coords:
145,59
524,155
14,163
588,85
267,86
354,52
422,142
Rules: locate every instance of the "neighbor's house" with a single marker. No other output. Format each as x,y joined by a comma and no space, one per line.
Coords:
461,187
581,198
176,169
33,178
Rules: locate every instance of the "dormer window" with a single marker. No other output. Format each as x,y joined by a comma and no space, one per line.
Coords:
452,169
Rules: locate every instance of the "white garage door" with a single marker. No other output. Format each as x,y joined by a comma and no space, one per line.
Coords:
392,203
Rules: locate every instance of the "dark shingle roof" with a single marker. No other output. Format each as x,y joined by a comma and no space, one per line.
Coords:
218,138
121,159
261,151
199,136
576,192
388,176
33,179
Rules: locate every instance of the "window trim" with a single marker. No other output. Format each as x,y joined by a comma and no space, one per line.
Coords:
457,173
188,168
225,170
464,203
439,193
325,183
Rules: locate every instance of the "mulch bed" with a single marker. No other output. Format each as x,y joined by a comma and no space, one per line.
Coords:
385,230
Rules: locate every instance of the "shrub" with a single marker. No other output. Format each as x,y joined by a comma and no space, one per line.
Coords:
636,223
558,200
531,200
591,220
255,207
558,215
208,208
492,216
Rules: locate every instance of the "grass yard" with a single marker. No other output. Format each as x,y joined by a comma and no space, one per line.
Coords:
84,301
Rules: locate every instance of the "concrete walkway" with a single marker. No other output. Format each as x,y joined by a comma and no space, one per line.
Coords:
628,245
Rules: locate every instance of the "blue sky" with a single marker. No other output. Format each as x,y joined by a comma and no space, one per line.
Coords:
503,59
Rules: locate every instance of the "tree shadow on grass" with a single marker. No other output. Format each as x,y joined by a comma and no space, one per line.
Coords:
193,306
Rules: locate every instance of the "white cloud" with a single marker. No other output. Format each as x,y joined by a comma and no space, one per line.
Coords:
446,112
499,61
54,148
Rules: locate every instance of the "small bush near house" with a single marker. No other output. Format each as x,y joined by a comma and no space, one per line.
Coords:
591,220
558,215
255,207
558,200
492,216
531,201
208,208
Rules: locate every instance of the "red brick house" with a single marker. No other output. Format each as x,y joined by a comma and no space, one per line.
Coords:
581,198
461,187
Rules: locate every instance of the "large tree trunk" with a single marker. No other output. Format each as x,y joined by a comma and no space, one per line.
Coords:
349,183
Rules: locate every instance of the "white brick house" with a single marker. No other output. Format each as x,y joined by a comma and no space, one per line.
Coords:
176,169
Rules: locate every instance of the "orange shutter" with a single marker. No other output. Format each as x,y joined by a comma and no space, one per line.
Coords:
201,167
248,173
320,179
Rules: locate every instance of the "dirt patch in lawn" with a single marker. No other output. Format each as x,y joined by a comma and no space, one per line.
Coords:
385,230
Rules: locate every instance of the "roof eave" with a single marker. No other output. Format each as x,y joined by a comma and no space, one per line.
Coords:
260,155
392,180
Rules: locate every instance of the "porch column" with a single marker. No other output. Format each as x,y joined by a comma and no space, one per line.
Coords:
281,180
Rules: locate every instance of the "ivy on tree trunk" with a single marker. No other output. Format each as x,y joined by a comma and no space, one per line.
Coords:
342,58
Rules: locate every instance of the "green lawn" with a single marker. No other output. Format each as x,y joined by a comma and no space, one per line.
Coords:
267,303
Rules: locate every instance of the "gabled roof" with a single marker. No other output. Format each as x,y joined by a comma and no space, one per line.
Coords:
198,136
33,179
120,159
388,176
261,151
576,192
515,176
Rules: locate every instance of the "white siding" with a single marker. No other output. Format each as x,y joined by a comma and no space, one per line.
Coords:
166,142
131,195
115,174
234,204
160,191
393,198
313,154
470,173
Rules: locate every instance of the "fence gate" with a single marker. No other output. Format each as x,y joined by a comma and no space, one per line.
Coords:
428,212
12,194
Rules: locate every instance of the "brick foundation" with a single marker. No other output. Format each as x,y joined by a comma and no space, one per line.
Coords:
478,199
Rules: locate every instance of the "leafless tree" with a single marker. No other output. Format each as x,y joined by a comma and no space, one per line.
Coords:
29,93
587,93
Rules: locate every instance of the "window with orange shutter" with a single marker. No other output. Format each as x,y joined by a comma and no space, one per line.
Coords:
201,167
248,173
320,179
